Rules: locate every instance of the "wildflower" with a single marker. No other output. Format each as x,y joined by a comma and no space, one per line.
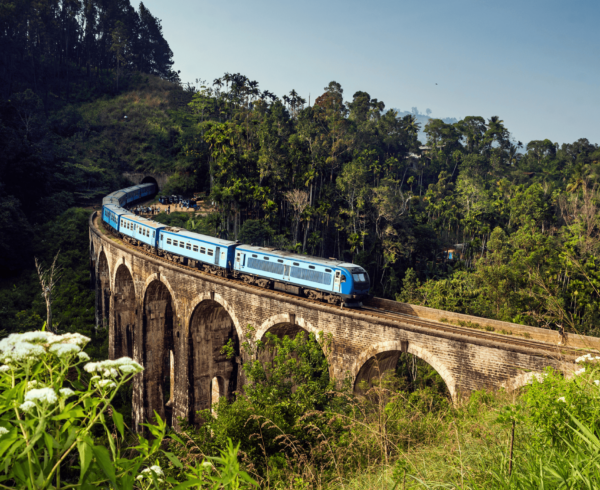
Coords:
580,371
27,406
75,338
597,382
106,383
584,358
66,392
561,399
4,369
3,430
154,469
128,369
111,373
83,356
43,395
90,367
64,350
32,384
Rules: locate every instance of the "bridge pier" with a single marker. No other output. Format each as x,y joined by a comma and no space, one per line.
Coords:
175,321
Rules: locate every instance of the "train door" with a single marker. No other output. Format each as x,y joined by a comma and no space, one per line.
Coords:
240,261
217,254
286,272
337,282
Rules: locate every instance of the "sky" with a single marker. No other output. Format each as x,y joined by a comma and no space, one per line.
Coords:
533,63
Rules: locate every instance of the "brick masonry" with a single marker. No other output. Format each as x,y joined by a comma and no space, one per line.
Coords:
174,321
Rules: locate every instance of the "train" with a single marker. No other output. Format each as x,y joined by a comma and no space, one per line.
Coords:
328,280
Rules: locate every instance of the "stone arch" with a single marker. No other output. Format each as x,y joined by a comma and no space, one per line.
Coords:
386,353
223,302
159,352
285,318
148,179
211,327
102,290
124,313
161,278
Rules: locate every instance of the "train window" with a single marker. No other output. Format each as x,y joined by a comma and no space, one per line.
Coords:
311,266
280,261
327,270
181,244
255,256
211,252
175,243
359,277
188,246
195,248
202,250
161,237
296,263
168,241
343,278
266,258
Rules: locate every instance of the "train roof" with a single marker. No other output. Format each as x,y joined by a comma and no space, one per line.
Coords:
197,236
299,257
146,222
118,210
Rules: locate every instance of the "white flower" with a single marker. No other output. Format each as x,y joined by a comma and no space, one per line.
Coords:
27,406
75,338
111,373
4,369
106,383
561,399
139,477
83,356
584,358
597,382
43,395
66,392
580,371
64,350
3,430
128,369
32,384
90,367
154,469
109,367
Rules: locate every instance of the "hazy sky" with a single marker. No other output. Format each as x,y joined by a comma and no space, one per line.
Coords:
533,63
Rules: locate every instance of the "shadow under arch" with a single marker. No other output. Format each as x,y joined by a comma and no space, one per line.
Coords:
211,328
158,351
102,291
383,357
125,313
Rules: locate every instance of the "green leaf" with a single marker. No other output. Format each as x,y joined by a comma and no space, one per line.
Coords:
118,420
85,457
173,459
105,464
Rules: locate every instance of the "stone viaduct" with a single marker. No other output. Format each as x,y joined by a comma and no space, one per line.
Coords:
175,320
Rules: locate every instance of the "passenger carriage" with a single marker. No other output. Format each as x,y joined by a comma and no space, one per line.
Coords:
204,252
141,231
322,279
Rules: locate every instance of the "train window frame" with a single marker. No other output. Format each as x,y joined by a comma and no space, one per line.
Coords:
311,267
266,258
211,252
327,270
280,261
254,256
168,241
175,243
202,250
181,244
296,264
195,249
188,246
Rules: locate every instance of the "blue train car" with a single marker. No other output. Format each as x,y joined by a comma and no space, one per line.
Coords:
211,254
111,215
138,230
317,278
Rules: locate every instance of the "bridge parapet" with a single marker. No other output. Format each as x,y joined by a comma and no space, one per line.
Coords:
175,320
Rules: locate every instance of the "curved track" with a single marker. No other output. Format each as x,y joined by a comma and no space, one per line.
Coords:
511,342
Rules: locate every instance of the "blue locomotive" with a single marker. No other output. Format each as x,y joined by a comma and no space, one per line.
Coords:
330,280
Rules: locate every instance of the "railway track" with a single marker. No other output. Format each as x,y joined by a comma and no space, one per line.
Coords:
509,341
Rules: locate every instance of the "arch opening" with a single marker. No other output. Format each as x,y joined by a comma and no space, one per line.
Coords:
102,292
158,320
400,370
125,311
150,180
211,329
